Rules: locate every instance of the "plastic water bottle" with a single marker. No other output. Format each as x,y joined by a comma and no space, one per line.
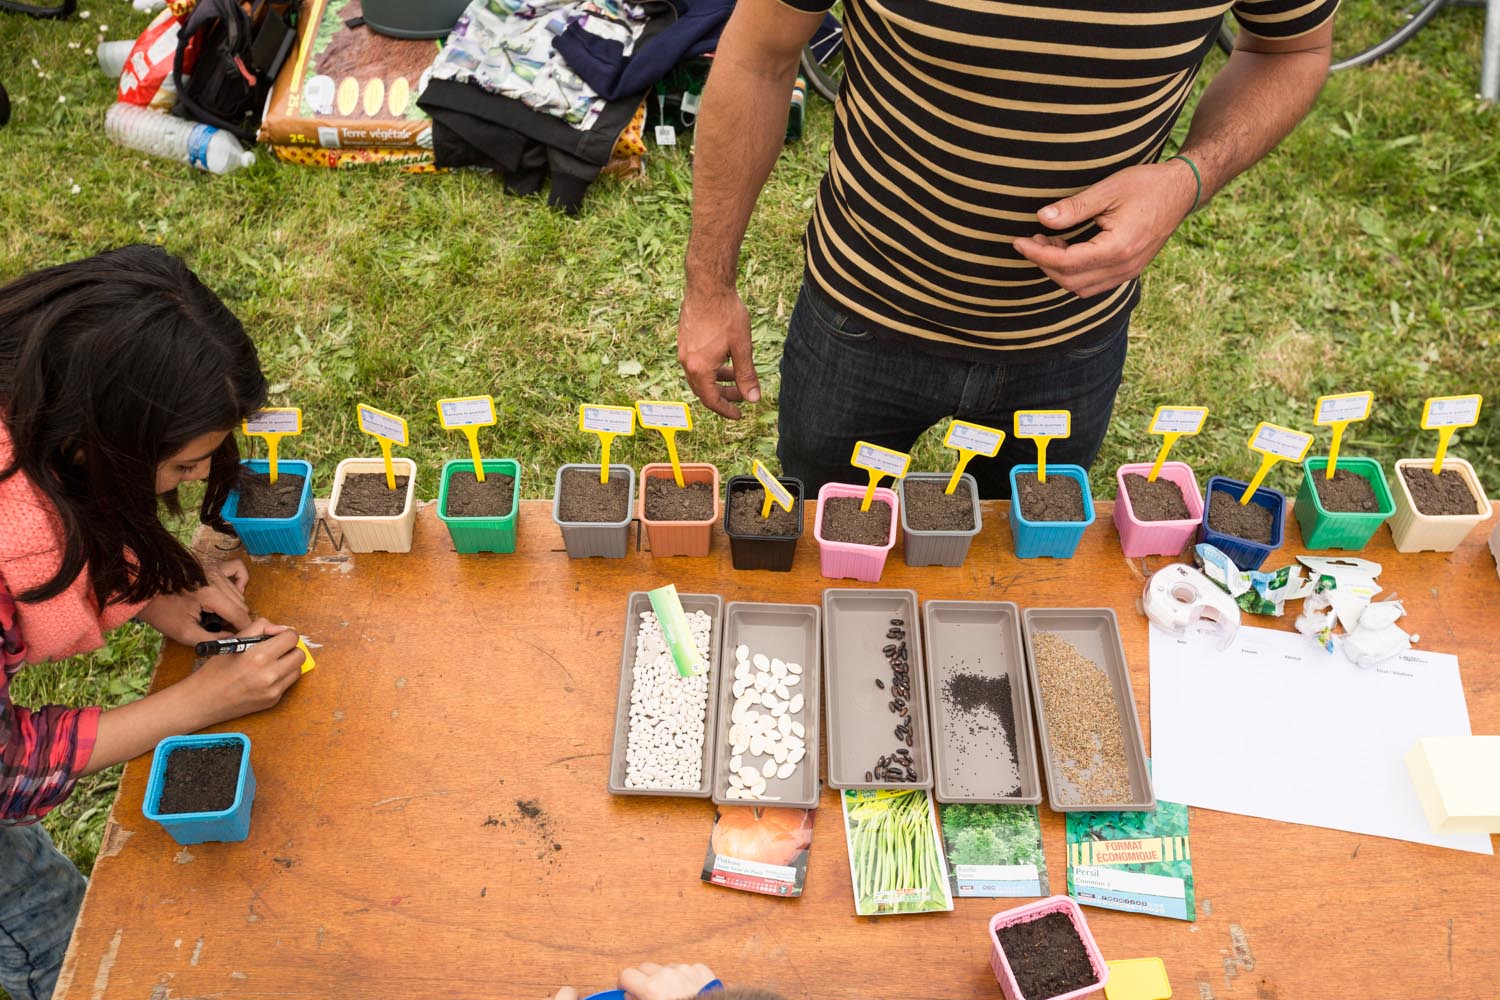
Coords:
112,56
204,146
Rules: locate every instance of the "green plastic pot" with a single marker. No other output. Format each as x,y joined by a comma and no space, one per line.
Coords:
1333,529
482,534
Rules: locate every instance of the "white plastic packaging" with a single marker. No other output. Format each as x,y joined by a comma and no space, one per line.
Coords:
204,146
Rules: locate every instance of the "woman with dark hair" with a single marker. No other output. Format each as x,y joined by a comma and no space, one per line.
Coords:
121,377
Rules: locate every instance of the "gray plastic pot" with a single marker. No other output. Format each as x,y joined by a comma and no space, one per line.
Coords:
937,548
413,18
583,539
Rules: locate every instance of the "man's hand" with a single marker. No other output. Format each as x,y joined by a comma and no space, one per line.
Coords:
1136,210
714,327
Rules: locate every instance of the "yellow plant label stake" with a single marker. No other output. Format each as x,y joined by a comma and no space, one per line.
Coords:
775,491
1446,414
668,418
388,429
970,440
878,462
468,414
1339,412
609,422
1173,422
1042,426
273,424
1275,444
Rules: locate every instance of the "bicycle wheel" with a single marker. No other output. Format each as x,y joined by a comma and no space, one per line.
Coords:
823,58
1366,30
63,9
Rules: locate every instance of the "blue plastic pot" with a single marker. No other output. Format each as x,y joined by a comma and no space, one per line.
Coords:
268,536
1247,555
1057,539
229,825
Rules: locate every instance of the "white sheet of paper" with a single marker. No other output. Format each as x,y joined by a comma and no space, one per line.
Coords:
1275,727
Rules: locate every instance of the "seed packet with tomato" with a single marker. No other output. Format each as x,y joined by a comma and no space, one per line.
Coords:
760,849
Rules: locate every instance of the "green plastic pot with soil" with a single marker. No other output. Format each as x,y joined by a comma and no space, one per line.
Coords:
373,516
593,515
1436,511
1345,511
1049,516
757,542
679,520
937,527
481,516
273,518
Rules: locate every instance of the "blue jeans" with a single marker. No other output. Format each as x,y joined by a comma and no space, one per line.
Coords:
842,383
40,893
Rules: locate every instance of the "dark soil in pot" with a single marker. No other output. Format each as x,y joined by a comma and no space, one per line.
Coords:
1158,500
928,508
1445,493
1346,493
365,494
583,499
1249,521
666,501
201,779
1060,498
259,497
744,515
1047,957
468,497
843,521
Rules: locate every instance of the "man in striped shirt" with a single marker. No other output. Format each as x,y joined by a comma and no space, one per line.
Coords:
994,191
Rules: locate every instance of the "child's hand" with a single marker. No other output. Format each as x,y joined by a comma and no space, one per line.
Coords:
177,616
650,981
244,683
566,993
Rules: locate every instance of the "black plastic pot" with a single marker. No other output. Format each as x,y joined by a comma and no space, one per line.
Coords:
772,552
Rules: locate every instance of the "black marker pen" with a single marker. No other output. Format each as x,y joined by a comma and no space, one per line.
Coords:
214,647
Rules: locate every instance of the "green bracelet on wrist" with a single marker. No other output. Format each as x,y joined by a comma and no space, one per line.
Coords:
1197,177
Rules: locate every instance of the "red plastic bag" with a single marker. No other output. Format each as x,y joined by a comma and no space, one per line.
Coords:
150,61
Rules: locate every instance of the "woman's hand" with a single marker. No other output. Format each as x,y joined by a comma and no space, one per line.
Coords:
230,686
177,616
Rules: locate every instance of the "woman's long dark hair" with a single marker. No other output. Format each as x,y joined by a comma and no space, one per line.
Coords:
108,367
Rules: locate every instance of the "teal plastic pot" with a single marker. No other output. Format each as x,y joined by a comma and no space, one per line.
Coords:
482,534
269,536
229,825
1053,539
1334,529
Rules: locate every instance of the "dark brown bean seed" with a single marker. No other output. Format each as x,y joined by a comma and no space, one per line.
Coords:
904,710
908,739
889,650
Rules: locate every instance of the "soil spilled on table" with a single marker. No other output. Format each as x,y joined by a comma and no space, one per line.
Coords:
1158,500
928,508
259,497
1060,498
843,521
468,497
365,494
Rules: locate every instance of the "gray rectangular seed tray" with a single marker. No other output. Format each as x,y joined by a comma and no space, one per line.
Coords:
861,725
638,602
1096,634
971,762
786,632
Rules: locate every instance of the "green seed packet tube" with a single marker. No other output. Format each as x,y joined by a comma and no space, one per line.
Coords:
675,630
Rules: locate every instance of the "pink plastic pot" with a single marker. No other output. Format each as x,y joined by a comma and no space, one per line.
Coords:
841,560
1034,911
1157,538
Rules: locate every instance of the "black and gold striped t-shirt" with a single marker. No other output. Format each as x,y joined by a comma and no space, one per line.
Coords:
959,119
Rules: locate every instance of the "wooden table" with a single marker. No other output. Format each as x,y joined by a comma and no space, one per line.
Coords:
389,856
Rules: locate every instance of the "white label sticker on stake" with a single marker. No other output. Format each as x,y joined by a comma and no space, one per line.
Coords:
1179,420
972,437
470,411
882,460
1345,408
666,135
280,420
778,492
1281,442
1451,411
665,416
1048,425
382,424
608,419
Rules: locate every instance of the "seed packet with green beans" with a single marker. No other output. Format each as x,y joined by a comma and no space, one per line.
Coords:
1138,862
895,852
994,851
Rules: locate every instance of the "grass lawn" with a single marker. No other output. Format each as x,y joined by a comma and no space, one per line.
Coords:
1361,255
